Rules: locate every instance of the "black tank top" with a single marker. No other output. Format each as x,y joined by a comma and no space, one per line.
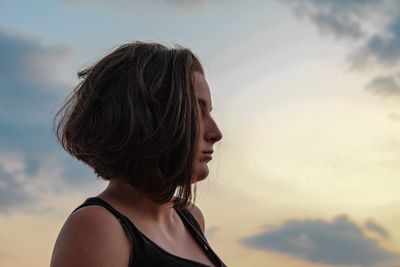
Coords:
146,253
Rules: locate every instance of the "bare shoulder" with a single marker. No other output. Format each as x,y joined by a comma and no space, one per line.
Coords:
91,236
197,214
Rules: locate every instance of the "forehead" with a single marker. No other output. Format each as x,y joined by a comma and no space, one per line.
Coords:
201,87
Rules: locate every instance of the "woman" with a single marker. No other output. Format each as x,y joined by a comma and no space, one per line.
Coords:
141,119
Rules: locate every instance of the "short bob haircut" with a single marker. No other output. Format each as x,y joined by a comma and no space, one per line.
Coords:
134,117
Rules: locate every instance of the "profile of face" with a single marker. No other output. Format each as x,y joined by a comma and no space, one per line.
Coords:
209,133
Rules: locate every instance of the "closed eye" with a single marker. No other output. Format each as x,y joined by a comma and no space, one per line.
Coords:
204,106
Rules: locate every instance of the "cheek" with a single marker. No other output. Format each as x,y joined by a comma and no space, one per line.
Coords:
200,169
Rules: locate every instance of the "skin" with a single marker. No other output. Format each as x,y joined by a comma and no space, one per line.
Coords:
209,132
92,236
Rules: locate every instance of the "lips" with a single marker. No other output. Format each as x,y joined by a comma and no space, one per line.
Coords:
207,155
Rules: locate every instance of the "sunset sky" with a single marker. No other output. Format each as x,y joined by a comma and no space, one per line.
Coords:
306,94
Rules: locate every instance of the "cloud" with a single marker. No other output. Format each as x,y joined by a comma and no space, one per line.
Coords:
22,185
383,50
29,94
13,191
27,90
183,4
25,185
373,23
342,19
340,242
339,25
27,60
373,26
187,3
385,86
376,228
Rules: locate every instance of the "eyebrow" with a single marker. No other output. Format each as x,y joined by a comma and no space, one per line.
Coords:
203,104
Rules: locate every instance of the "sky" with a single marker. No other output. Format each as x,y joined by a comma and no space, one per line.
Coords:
306,94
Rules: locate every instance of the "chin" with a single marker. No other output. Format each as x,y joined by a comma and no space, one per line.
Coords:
200,174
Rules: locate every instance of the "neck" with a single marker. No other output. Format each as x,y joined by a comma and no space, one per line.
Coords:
129,198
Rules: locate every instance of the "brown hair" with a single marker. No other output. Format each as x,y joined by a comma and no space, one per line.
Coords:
134,117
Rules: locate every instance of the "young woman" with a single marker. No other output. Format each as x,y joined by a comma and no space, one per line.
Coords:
141,119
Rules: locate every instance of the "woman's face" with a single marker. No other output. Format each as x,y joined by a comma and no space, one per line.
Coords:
209,133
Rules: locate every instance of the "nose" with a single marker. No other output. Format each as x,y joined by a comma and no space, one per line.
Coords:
213,134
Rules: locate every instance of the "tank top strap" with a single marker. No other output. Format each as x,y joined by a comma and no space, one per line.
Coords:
194,225
132,232
143,247
197,233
